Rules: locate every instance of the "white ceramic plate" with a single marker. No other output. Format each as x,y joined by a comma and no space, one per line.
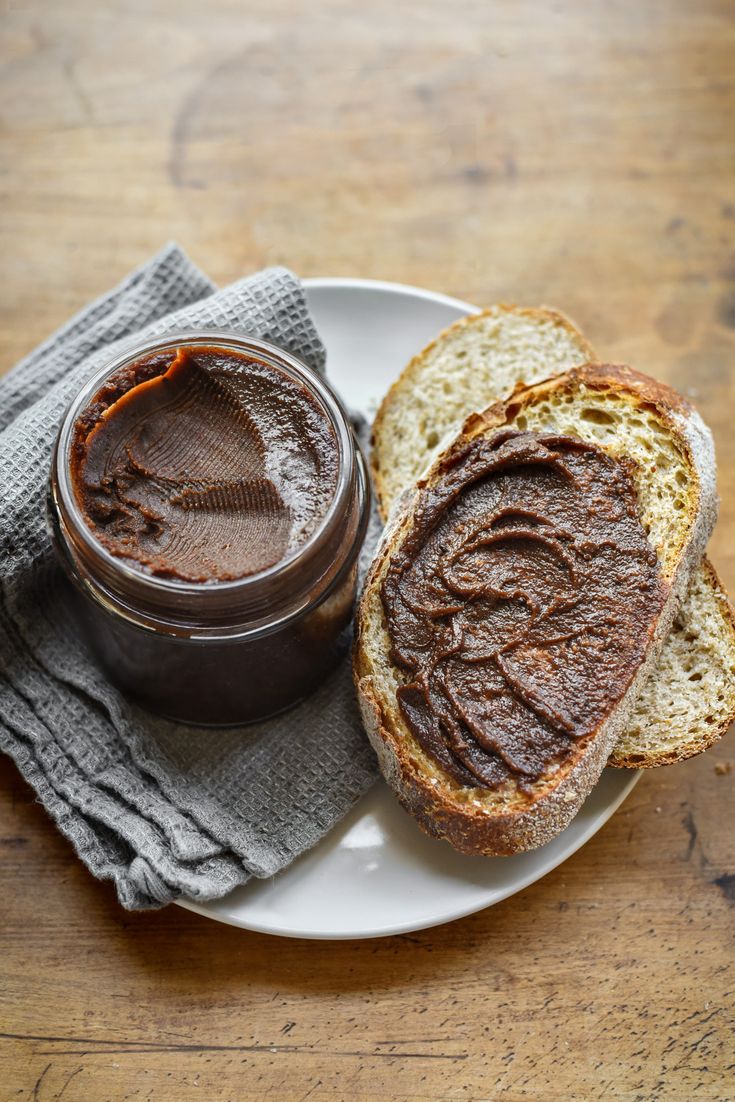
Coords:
376,873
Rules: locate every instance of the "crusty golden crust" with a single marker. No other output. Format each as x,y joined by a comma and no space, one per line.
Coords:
604,376
406,379
445,808
641,390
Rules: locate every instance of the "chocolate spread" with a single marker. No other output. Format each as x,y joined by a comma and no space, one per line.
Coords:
203,466
520,605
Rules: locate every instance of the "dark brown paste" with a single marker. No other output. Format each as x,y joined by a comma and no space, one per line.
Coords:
203,465
520,605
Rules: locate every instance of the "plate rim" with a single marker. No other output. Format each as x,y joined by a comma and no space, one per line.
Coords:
358,283
438,918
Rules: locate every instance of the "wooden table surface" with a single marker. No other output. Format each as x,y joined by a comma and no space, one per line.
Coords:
579,154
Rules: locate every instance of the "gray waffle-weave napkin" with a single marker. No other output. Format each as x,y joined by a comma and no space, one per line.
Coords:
161,809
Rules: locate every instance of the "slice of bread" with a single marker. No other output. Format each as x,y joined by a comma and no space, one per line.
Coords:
474,362
688,701
670,453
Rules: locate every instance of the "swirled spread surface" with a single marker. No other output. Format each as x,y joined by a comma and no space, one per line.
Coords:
209,465
520,605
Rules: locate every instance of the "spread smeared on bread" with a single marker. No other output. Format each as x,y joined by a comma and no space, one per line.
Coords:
520,605
663,444
688,701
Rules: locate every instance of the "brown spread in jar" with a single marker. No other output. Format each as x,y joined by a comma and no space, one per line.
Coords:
203,466
519,605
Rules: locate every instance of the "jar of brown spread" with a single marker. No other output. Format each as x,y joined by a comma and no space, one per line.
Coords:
208,502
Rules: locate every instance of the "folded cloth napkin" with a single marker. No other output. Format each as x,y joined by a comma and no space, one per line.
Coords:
162,809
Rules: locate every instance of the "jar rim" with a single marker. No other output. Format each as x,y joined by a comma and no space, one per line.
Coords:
161,595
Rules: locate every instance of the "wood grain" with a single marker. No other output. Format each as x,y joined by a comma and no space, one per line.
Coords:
580,155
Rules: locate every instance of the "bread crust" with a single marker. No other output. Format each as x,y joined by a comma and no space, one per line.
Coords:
442,807
405,380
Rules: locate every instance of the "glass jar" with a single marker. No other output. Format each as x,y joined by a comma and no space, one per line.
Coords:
225,652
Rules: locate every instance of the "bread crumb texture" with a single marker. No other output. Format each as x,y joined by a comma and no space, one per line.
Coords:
474,361
687,702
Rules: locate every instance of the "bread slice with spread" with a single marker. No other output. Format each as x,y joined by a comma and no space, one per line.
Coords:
688,701
521,594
